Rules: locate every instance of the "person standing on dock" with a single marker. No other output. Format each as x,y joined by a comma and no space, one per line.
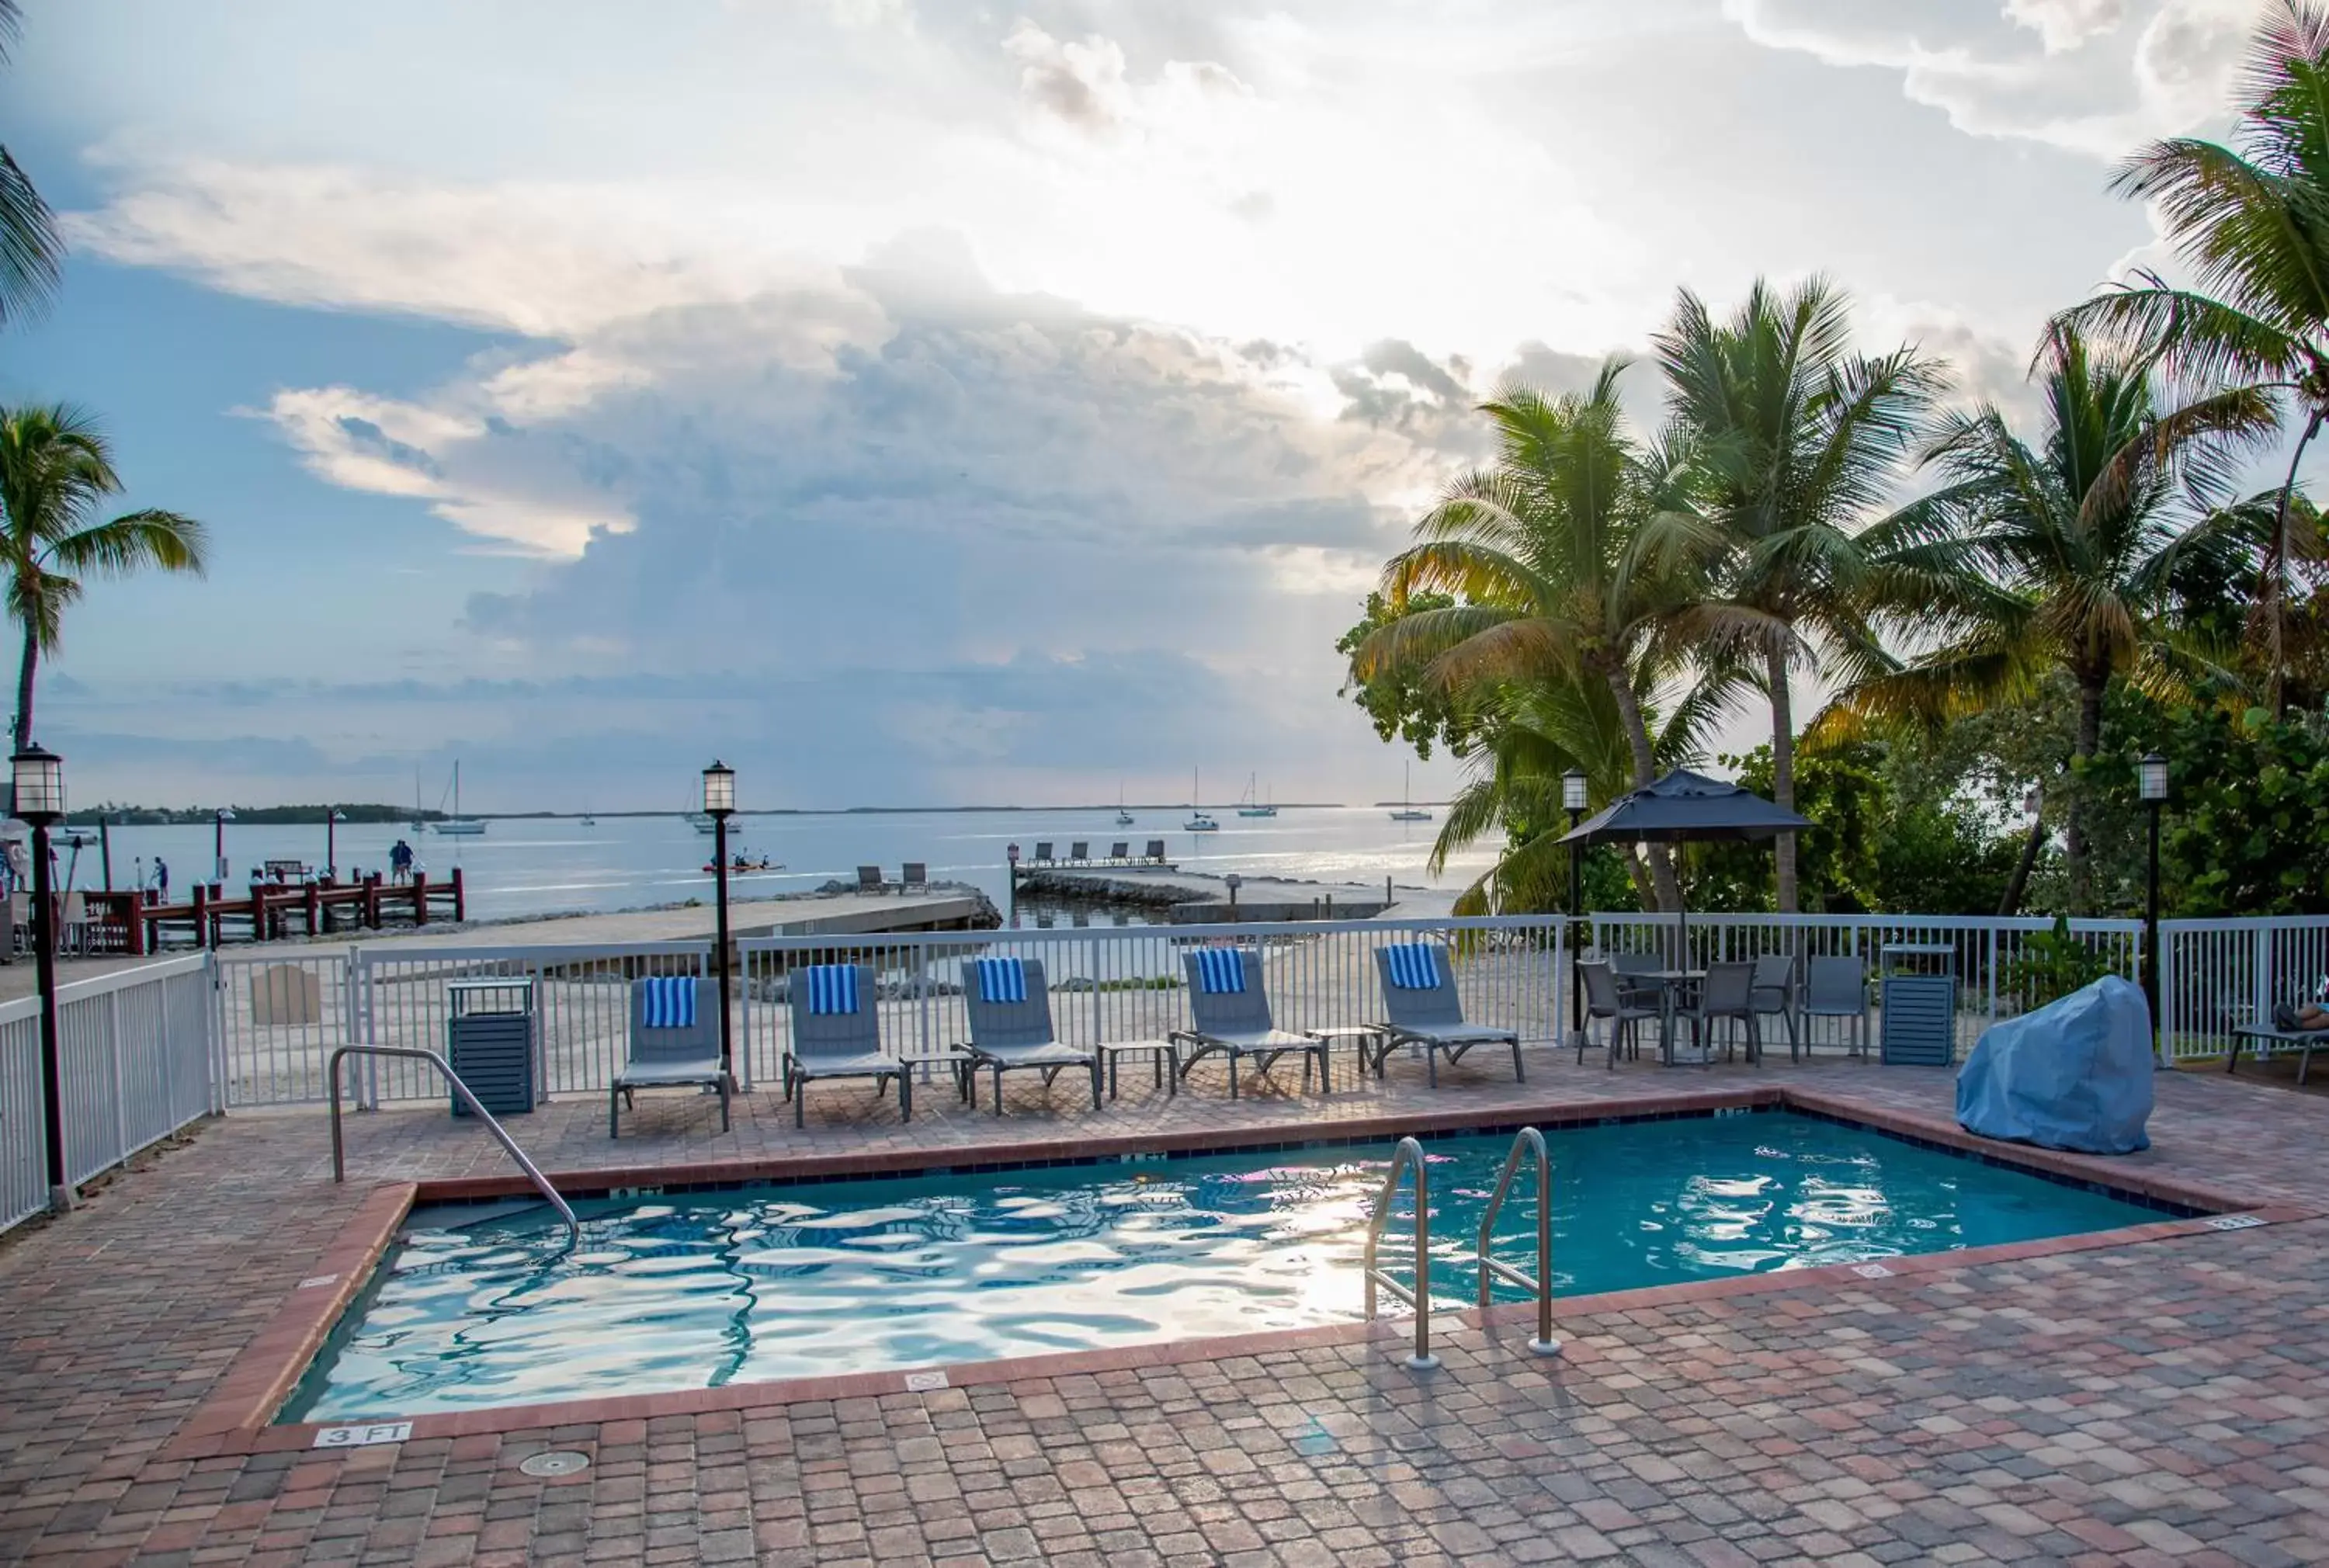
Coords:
399,862
162,878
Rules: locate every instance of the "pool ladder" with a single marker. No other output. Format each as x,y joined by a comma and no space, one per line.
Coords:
461,1093
1408,1157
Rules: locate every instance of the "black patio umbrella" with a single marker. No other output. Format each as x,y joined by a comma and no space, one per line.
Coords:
1685,807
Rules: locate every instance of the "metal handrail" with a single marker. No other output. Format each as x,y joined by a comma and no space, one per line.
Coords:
461,1090
1531,1141
1407,1156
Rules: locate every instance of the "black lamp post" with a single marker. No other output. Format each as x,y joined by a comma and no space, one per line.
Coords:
218,844
1573,798
719,805
331,821
2151,785
39,780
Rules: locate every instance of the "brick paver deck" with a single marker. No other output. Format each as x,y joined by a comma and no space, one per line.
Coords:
2161,1400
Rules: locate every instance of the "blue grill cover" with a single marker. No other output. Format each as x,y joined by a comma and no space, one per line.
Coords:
2074,1074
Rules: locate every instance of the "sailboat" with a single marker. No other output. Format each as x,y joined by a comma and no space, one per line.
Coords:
1123,817
1198,821
588,819
1409,811
1252,806
458,826
419,823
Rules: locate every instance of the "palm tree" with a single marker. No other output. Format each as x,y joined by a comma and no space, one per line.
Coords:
1538,731
30,246
1798,440
2252,222
2062,554
54,470
1538,551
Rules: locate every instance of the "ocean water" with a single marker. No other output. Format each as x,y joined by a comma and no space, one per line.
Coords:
543,867
698,1290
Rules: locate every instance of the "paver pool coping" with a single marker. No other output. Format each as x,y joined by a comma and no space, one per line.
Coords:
235,1418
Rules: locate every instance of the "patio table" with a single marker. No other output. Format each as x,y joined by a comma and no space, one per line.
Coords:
1672,984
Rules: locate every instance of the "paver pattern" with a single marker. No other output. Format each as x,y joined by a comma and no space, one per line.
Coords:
2152,1403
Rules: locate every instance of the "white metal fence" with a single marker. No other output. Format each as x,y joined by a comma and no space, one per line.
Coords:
279,1017
136,1064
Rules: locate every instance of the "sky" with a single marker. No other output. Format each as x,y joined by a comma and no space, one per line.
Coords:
927,403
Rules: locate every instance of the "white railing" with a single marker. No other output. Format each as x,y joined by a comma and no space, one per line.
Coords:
2215,976
1992,957
1125,983
136,1060
278,1018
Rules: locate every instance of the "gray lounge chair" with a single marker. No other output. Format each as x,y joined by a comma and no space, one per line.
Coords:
1080,851
1836,987
1774,992
1433,1018
869,880
1155,855
1623,1005
1043,851
669,1058
1119,852
914,874
1236,1024
1008,1036
840,1044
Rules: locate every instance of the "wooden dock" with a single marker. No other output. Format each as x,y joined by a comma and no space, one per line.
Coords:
135,923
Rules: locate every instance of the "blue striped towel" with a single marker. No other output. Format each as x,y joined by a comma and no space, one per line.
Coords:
1413,965
1221,969
1001,980
832,987
670,1002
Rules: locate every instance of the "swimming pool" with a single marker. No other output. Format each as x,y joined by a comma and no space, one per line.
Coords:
477,1308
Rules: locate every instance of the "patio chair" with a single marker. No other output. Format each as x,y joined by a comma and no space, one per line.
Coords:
1605,997
869,880
1775,992
1229,1014
1727,992
1633,964
675,1043
1836,987
837,1033
1155,855
1043,851
914,874
1080,851
1010,1008
1119,852
1421,1008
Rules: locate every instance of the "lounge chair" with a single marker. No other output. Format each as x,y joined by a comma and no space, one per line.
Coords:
1836,987
1774,992
1010,1008
869,880
1727,992
914,874
1043,851
674,1042
1605,997
1229,1013
836,1034
1119,852
1421,1008
1156,856
1080,851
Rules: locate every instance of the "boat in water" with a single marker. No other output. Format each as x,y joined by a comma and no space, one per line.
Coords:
1252,805
1409,811
1200,821
1123,817
458,826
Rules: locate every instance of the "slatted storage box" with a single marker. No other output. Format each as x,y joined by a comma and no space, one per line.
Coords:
489,1042
1920,1004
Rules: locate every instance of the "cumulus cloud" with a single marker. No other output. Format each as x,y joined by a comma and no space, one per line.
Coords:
2093,81
1082,83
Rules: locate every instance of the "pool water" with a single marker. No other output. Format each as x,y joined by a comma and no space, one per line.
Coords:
704,1290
